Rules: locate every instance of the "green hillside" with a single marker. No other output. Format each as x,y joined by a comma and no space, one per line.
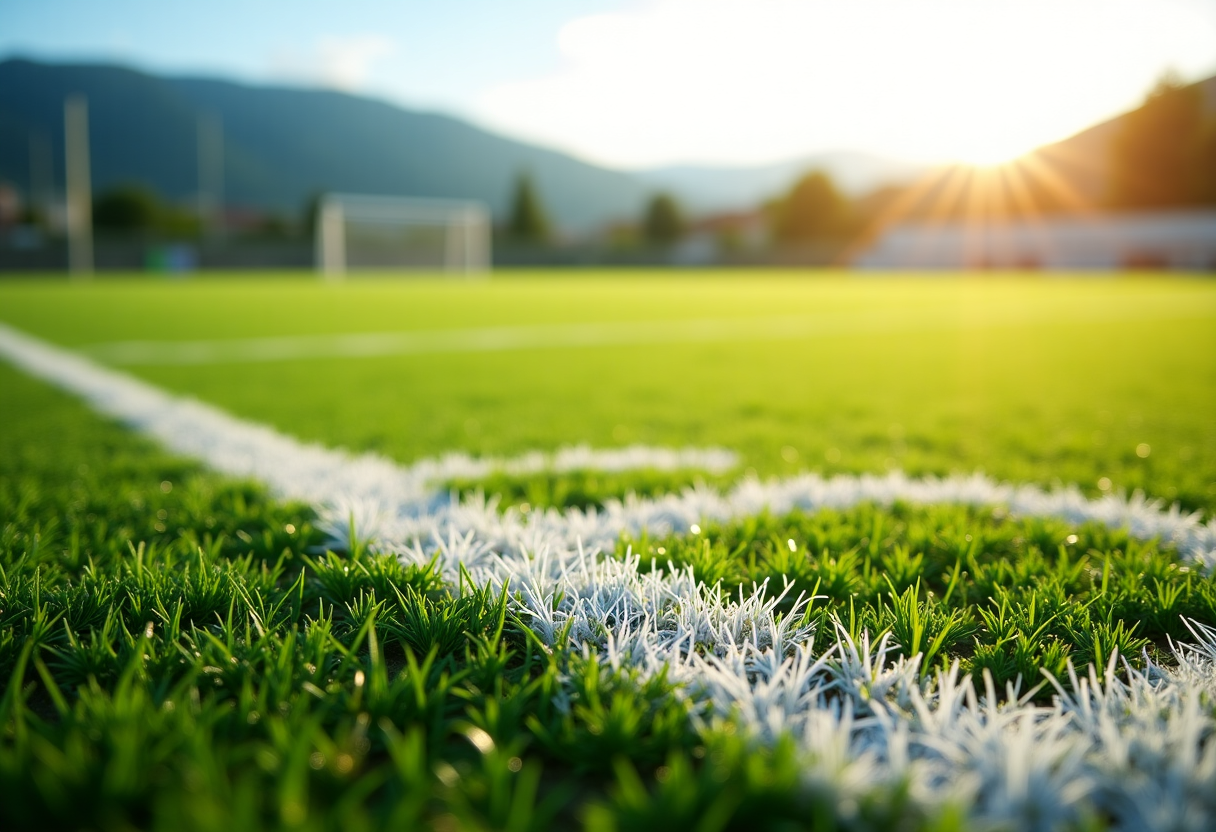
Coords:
281,144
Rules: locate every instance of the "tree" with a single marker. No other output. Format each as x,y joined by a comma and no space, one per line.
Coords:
1157,158
135,210
309,213
663,223
1206,173
126,208
813,211
527,222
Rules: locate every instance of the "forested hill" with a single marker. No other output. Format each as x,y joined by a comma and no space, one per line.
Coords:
1177,128
282,144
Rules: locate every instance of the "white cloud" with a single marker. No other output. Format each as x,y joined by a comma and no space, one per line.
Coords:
343,63
346,62
755,80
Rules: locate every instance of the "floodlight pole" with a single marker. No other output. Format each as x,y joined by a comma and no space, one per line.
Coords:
452,240
211,176
79,188
467,244
479,240
330,242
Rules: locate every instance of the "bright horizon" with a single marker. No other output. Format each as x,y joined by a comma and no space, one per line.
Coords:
661,82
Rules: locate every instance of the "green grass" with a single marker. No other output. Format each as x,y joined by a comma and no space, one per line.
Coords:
582,489
176,656
177,652
1028,379
1010,596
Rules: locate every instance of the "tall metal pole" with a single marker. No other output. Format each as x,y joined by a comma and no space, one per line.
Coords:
331,239
79,188
211,175
452,239
466,240
485,254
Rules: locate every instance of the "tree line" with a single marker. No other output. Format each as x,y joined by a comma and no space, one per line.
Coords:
527,223
814,209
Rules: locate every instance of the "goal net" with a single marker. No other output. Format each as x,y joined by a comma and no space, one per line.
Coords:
355,231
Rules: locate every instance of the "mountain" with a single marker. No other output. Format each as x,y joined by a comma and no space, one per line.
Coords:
281,145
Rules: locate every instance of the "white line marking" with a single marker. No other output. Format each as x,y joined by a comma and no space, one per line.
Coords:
307,472
1141,753
621,333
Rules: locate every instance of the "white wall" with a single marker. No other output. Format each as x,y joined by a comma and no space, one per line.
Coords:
1176,239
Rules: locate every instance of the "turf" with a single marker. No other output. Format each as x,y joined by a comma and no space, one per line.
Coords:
179,655
1027,378
1015,597
176,655
178,652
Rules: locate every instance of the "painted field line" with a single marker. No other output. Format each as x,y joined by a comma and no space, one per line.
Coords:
308,472
602,334
1140,751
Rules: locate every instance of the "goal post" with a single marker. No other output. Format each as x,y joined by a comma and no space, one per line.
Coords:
363,232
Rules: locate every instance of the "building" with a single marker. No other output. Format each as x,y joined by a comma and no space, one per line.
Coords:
1167,239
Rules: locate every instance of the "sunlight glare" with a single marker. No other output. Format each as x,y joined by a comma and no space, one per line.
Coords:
749,81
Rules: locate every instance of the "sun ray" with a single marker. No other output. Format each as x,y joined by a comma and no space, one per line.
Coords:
1020,194
901,207
942,207
1072,201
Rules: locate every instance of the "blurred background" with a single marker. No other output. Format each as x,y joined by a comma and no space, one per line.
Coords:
872,134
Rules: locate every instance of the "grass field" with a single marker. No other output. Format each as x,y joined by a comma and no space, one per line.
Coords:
1028,379
179,646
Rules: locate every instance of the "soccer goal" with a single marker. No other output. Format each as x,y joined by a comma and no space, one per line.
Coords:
355,231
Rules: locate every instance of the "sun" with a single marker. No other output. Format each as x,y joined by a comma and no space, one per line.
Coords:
980,143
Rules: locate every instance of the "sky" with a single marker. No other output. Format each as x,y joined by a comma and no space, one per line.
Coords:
644,83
